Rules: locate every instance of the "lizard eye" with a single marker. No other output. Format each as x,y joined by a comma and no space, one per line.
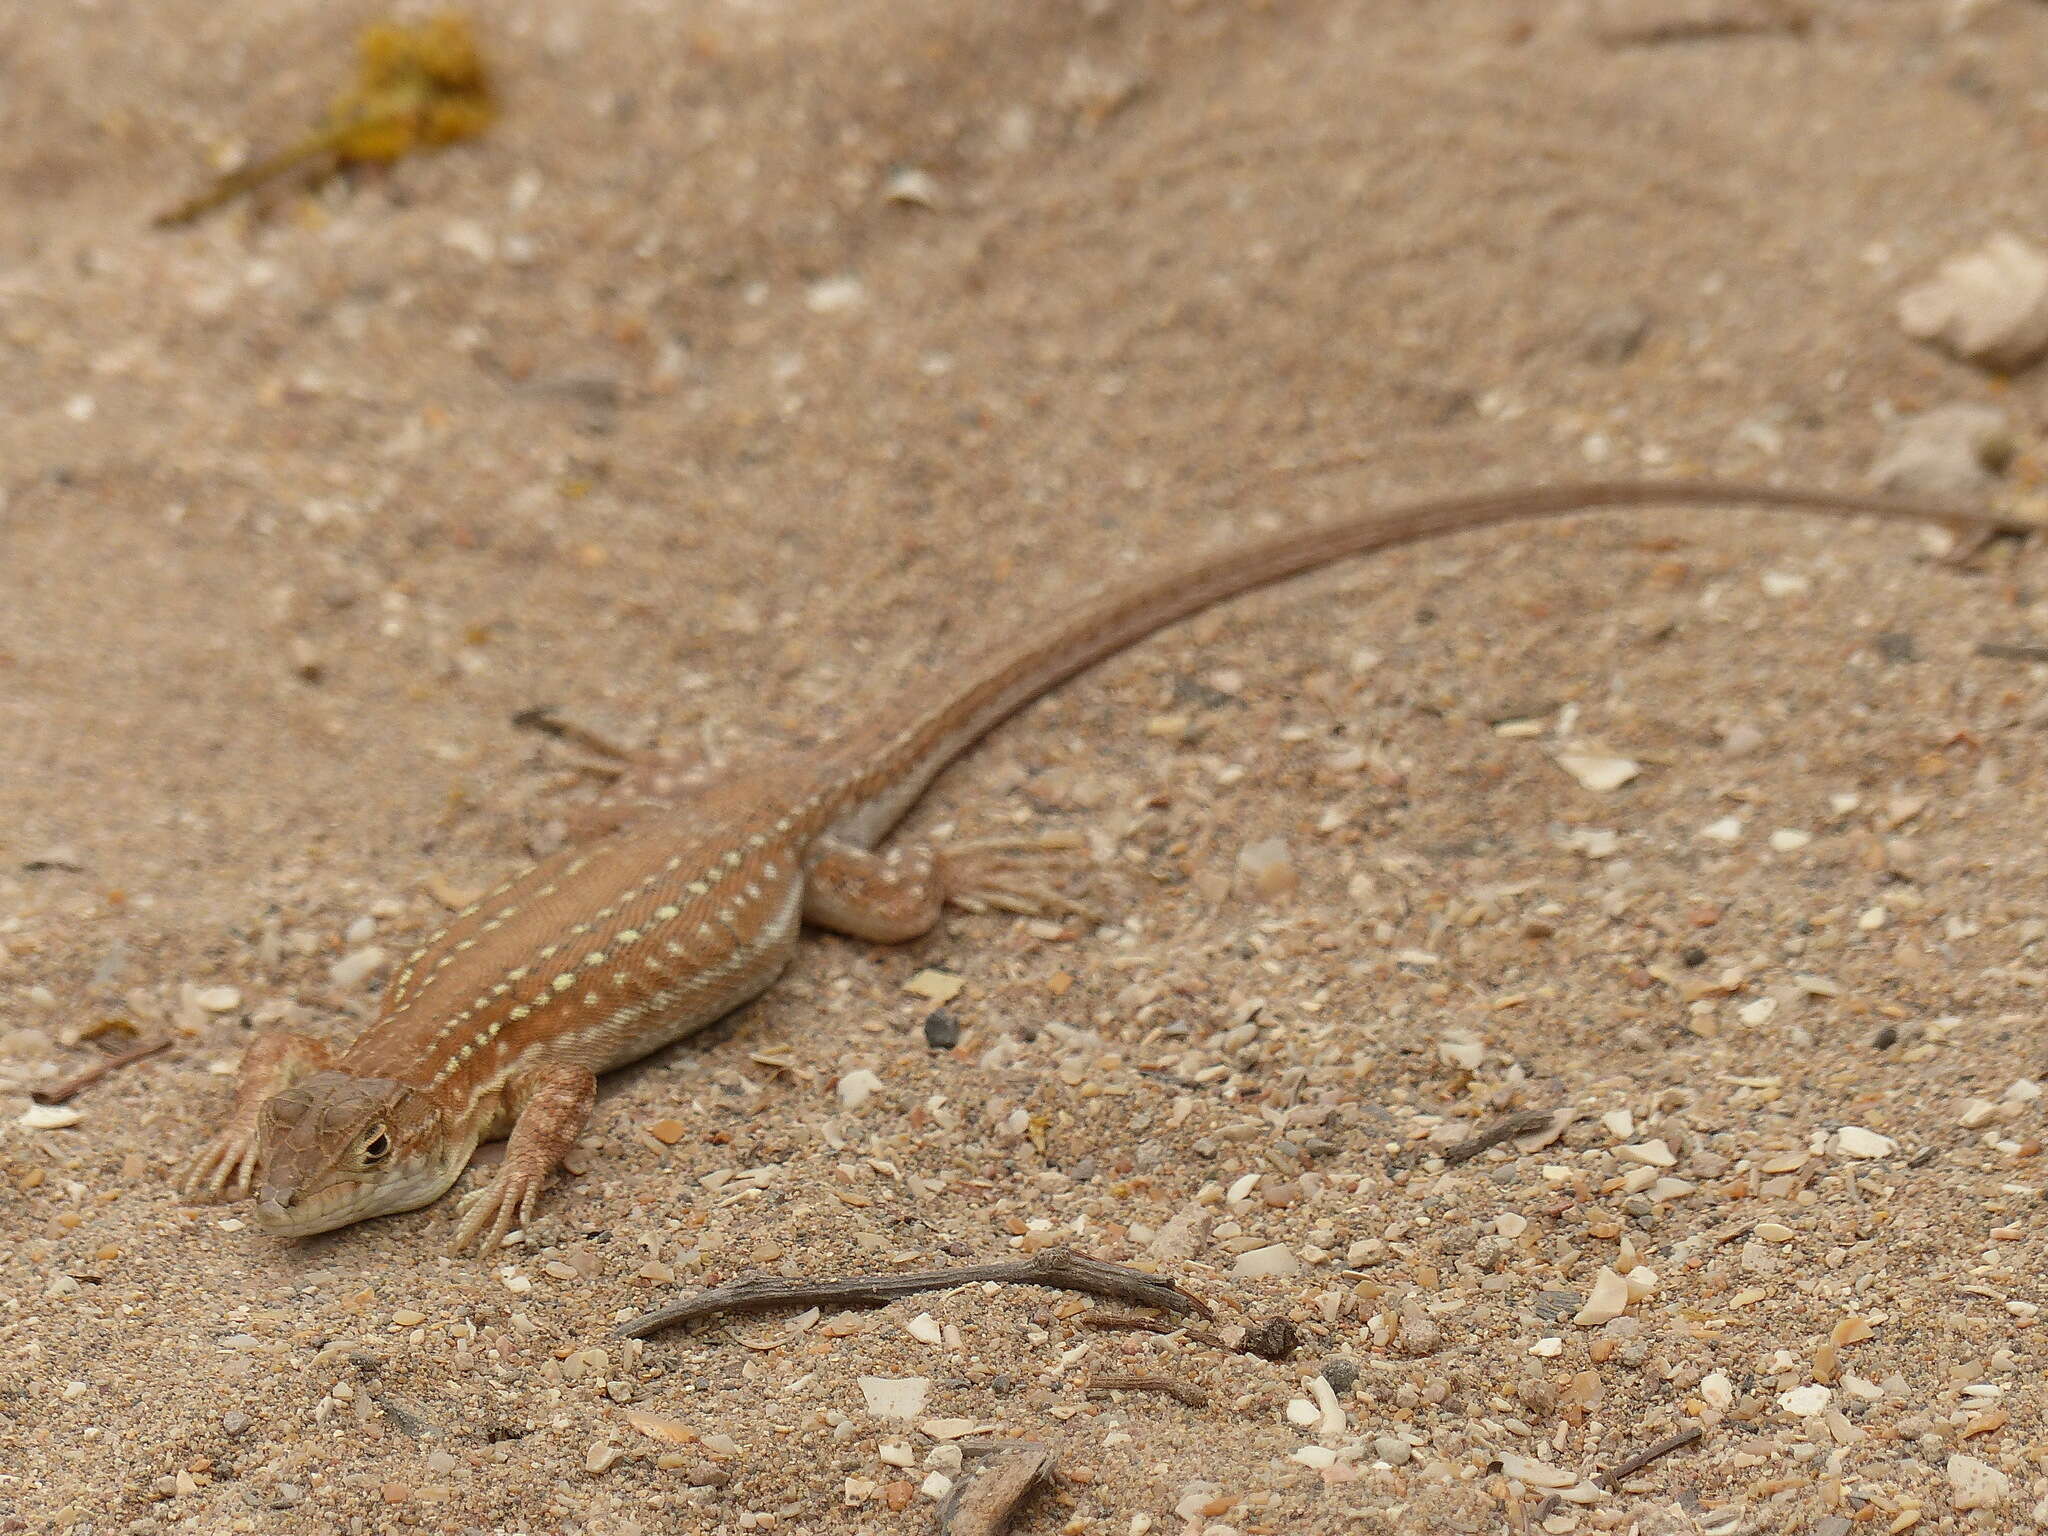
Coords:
376,1146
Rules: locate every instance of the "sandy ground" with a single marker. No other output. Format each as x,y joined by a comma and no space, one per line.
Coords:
654,406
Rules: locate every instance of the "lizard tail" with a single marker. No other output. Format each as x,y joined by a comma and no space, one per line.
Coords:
893,759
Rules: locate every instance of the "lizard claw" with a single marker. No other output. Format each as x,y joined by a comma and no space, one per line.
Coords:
1008,874
224,1169
490,1214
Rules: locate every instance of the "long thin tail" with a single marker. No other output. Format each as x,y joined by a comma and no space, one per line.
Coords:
889,763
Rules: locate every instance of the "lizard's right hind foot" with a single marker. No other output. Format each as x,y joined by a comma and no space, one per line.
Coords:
1015,874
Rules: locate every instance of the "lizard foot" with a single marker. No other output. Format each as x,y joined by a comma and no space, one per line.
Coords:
1014,874
224,1169
490,1214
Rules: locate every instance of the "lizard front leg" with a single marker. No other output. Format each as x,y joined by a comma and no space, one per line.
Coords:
225,1168
551,1105
894,896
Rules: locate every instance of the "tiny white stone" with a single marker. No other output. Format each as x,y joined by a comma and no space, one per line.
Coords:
857,1087
1976,1484
1597,773
1856,1141
1275,1259
1302,1412
1718,1391
1653,1154
1785,584
835,295
1758,1012
219,999
1607,1300
1804,1402
897,1453
936,1485
1461,1051
1620,1124
353,969
1548,1349
894,1397
48,1117
1727,830
925,1328
1785,840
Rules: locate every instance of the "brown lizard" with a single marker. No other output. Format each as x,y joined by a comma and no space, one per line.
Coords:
499,1024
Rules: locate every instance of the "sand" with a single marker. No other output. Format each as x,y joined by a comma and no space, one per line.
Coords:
764,360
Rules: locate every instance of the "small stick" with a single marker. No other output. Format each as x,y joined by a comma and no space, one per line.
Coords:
78,1082
1999,650
1508,1128
1274,1339
1059,1269
544,719
1649,1453
1194,1397
983,1505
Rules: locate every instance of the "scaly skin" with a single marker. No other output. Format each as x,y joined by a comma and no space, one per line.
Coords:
601,954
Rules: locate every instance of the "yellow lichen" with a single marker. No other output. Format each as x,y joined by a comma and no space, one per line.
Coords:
416,87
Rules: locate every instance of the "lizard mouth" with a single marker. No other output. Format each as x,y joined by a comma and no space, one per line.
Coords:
336,1205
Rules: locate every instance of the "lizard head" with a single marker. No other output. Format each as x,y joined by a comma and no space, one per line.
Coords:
335,1148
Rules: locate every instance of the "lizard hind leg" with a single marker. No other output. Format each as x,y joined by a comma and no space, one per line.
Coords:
893,896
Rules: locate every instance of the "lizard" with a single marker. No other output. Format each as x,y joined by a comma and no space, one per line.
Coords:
499,1024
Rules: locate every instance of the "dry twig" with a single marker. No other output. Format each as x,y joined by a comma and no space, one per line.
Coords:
79,1081
1521,1123
1193,1396
1059,1269
1632,1465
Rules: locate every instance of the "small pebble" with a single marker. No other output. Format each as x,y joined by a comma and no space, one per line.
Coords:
857,1087
1976,1484
941,1030
219,999
1988,306
1607,1300
1276,1259
1856,1141
353,969
1341,1374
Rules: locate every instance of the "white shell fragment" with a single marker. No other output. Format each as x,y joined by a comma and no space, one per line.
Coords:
1607,1301
1988,306
1276,1259
1598,773
1856,1141
857,1087
1804,1402
1536,1474
895,1397
48,1117
1976,1484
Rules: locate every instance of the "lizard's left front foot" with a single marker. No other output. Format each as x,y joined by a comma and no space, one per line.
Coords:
552,1105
